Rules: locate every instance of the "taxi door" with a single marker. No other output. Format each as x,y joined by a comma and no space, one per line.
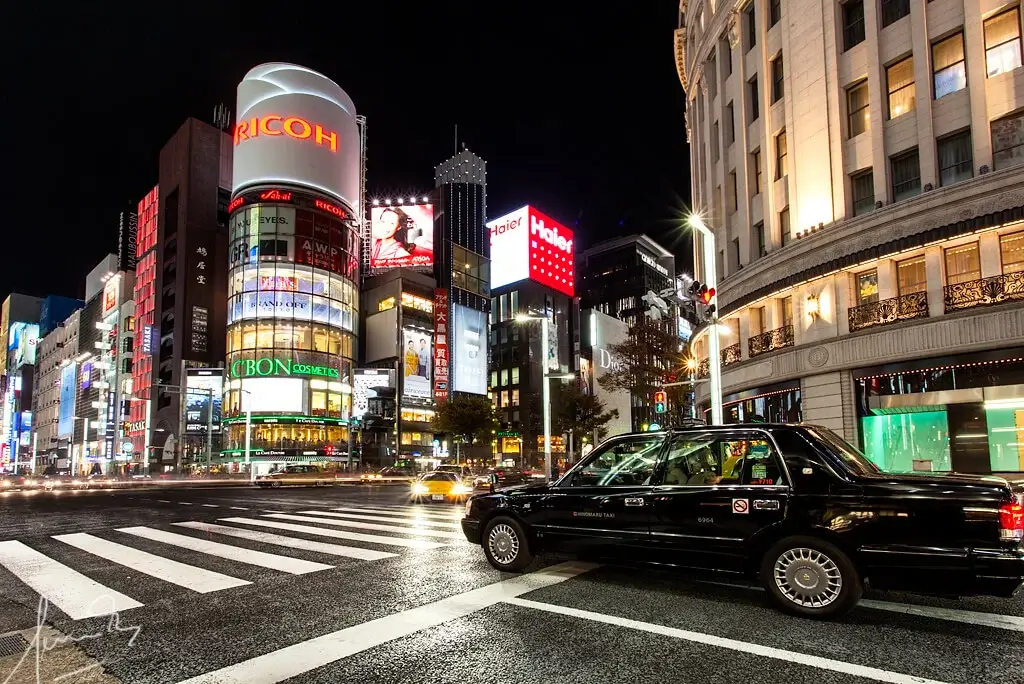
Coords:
718,490
604,503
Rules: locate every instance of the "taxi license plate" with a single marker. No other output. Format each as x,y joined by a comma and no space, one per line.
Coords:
437,497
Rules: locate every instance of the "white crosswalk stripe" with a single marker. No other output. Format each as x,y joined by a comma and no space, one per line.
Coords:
188,576
70,591
336,534
290,542
293,566
437,515
305,516
378,518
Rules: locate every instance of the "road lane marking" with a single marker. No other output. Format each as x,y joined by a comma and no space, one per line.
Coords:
293,566
377,518
971,617
292,661
188,576
211,505
366,526
163,501
289,542
238,508
185,503
71,591
402,513
731,644
338,534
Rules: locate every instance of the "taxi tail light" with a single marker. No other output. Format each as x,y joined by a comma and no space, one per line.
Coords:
1011,522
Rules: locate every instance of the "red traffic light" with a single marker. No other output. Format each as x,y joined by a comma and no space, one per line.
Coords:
706,295
659,397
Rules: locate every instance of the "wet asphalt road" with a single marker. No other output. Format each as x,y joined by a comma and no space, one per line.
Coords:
418,603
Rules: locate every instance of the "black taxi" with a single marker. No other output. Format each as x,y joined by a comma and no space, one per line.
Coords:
793,505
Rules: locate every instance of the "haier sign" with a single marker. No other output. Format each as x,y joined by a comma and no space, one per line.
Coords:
529,244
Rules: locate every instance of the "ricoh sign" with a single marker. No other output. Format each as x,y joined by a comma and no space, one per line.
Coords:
528,244
296,126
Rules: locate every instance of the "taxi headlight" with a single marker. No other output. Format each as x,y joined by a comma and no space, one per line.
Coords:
460,489
5,483
377,476
419,488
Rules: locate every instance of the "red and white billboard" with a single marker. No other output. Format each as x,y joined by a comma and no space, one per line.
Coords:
528,244
402,235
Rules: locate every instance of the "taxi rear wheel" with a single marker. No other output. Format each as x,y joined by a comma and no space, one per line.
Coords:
506,545
810,577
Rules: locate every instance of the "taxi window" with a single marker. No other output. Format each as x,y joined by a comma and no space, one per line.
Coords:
628,462
439,477
712,458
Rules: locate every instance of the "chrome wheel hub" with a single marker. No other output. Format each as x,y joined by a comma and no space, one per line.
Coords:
503,543
808,577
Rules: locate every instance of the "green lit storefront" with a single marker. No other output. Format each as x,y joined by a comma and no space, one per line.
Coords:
962,413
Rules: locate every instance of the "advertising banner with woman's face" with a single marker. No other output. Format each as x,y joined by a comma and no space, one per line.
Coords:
402,236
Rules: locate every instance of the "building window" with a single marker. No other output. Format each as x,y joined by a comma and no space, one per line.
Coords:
1002,42
725,50
949,66
1008,141
515,375
774,12
755,160
911,276
784,225
751,22
471,271
787,311
714,142
711,74
733,193
734,247
781,155
858,109
963,264
900,80
853,23
755,99
862,185
778,81
906,175
894,10
730,125
762,247
1011,252
756,320
867,287
956,161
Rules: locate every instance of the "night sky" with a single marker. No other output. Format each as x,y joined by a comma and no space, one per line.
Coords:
576,108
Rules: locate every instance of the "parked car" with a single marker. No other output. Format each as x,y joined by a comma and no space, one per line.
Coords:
298,474
795,506
498,477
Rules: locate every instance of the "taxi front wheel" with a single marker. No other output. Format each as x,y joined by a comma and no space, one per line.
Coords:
810,577
506,545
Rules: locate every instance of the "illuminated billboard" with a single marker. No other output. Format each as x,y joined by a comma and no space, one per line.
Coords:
418,359
365,383
203,390
469,350
66,410
295,125
402,236
22,342
528,244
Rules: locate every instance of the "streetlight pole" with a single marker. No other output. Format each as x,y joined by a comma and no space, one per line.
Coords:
248,434
714,343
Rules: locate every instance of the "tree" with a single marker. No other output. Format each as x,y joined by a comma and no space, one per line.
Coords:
579,414
466,419
643,363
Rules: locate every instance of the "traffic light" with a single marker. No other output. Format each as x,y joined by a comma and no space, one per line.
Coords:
704,295
659,402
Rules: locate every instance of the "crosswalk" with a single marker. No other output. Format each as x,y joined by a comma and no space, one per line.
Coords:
356,534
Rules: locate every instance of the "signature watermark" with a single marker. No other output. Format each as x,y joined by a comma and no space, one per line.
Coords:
42,644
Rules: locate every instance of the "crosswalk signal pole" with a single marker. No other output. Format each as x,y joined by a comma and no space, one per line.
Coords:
209,433
714,345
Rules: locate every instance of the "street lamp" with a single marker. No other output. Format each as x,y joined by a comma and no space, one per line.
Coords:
248,433
546,377
714,345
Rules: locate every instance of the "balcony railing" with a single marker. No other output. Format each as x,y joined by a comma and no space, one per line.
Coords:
885,311
995,290
730,354
770,340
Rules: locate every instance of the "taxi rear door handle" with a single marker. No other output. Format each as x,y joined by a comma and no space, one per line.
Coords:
634,502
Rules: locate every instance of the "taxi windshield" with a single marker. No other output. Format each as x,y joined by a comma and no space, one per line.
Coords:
850,455
439,477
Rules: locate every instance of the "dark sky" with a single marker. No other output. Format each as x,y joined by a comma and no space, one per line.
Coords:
575,107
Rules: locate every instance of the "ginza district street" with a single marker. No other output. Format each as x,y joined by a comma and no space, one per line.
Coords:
354,584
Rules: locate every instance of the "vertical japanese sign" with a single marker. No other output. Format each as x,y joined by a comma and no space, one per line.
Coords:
200,314
441,333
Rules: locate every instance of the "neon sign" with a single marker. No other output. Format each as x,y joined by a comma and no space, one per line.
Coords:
293,126
235,203
267,366
276,196
330,208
